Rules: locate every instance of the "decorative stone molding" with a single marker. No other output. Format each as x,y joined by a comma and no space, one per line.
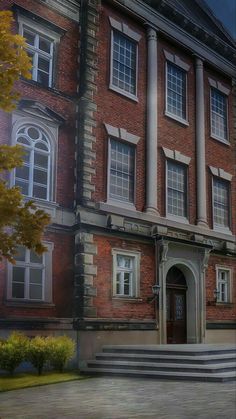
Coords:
219,86
175,59
125,29
220,173
68,8
122,134
176,155
85,271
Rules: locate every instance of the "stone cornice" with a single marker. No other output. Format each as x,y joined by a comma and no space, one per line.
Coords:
182,30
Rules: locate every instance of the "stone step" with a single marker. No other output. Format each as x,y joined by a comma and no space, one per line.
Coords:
188,359
190,350
148,366
165,375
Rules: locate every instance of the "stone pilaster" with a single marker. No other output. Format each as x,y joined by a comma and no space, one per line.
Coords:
85,271
200,145
151,150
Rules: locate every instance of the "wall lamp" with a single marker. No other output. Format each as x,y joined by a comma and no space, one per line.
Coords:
216,294
155,291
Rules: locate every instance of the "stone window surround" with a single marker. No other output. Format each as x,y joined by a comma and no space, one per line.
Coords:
46,32
179,62
137,256
215,84
176,155
20,119
230,282
126,30
47,280
124,135
220,173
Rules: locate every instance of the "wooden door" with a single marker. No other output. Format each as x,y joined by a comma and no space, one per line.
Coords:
176,315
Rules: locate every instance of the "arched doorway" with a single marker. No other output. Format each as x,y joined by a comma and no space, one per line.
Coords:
176,322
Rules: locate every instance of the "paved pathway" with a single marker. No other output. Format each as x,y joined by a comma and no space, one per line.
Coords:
121,398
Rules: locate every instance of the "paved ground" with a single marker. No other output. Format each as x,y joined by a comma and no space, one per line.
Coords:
121,398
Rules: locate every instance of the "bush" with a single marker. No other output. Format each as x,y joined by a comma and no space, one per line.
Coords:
12,352
62,350
38,352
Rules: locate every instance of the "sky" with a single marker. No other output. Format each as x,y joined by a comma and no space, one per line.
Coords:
225,11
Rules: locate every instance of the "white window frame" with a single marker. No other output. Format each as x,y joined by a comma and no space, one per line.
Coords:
219,227
224,91
176,61
46,277
136,272
228,283
120,134
134,37
19,120
182,219
46,33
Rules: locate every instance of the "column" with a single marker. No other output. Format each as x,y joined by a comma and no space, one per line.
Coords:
200,145
151,149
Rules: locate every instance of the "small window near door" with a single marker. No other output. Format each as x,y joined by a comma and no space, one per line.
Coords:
223,283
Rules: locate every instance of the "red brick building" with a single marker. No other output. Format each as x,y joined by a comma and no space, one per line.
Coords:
129,118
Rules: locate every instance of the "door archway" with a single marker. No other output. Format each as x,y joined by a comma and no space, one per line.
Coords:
176,311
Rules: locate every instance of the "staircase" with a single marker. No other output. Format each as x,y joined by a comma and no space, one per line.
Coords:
216,363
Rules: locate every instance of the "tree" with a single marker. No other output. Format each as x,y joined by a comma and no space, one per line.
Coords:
14,62
21,223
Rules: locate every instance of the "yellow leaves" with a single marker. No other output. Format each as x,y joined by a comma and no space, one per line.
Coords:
14,62
21,223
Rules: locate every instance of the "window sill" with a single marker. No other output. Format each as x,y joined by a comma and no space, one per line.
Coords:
223,230
28,304
224,305
122,204
180,120
127,299
123,93
221,140
177,218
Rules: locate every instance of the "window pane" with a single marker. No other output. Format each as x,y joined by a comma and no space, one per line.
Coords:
34,258
18,274
40,176
41,160
127,280
221,202
36,276
44,45
18,279
29,36
118,283
176,189
17,290
41,145
24,187
39,192
23,140
43,64
35,292
22,172
33,133
20,253
43,78
124,63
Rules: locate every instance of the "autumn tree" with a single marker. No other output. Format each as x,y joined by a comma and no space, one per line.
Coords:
21,223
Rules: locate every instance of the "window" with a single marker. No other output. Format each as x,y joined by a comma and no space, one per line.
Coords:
30,279
218,115
220,203
121,171
176,91
28,275
40,49
34,177
124,56
176,189
223,285
125,273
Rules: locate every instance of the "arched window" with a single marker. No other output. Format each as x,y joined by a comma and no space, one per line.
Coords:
34,177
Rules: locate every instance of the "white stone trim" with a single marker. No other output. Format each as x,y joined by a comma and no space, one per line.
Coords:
220,173
175,59
219,86
122,134
125,29
136,285
176,155
230,283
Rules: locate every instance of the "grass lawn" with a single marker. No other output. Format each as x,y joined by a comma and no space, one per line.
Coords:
32,380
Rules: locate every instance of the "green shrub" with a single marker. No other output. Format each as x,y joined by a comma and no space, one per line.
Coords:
12,352
62,349
38,352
